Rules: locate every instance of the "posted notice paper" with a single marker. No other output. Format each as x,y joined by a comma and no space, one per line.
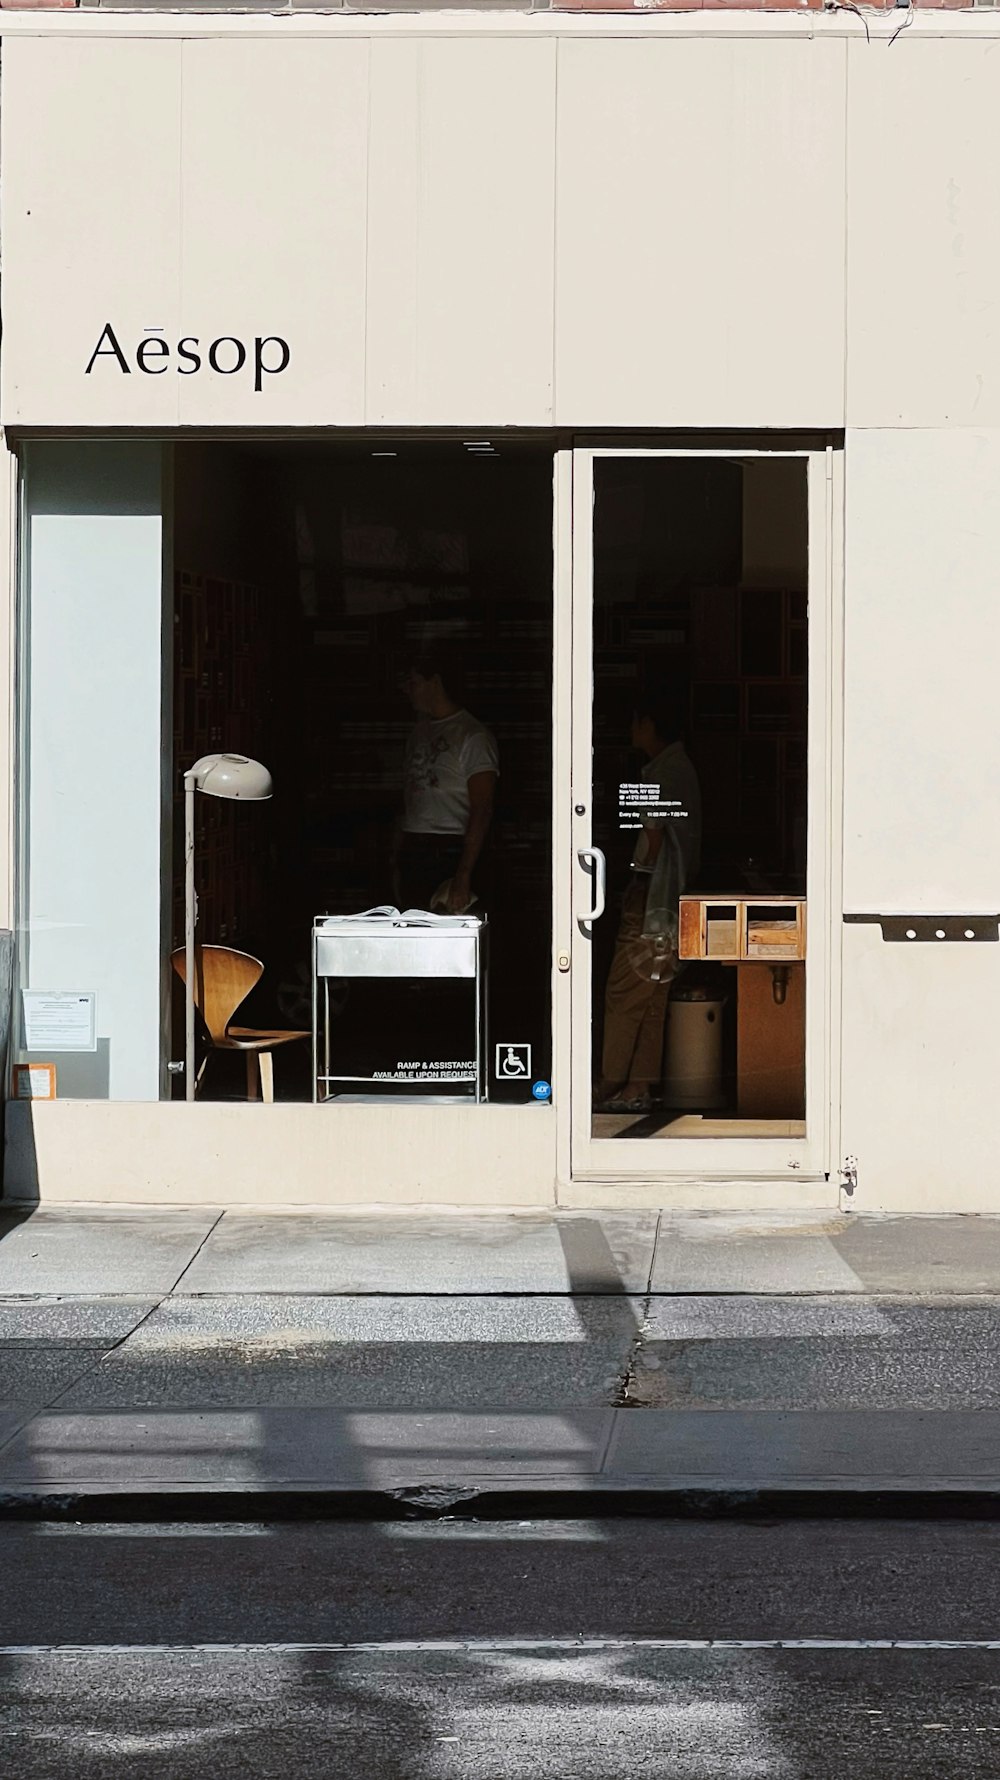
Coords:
59,1020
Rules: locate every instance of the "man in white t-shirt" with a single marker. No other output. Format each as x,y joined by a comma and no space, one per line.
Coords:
449,782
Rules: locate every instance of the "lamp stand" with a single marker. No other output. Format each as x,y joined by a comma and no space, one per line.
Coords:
190,922
218,775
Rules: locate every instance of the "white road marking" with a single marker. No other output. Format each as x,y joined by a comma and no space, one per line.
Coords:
473,1646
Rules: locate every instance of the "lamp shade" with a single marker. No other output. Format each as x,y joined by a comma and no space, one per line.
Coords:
231,775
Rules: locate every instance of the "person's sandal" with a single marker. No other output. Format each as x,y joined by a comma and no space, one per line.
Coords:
643,1105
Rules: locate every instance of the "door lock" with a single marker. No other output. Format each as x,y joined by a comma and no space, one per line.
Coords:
563,960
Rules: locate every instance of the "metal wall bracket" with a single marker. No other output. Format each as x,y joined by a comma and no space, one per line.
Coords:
933,928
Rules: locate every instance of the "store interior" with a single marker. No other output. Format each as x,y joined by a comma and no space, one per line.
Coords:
700,584
307,575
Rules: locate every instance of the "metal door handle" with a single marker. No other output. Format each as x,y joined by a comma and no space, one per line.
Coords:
598,865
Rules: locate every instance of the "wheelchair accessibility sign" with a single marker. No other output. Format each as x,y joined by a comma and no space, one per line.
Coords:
513,1063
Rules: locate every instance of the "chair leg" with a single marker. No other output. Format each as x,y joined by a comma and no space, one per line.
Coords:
253,1087
266,1061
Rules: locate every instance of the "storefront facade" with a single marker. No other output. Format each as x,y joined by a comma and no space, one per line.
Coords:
677,268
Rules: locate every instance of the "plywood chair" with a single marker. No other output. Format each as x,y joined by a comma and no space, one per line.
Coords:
223,980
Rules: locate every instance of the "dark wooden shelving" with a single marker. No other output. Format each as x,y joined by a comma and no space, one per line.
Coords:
744,651
222,699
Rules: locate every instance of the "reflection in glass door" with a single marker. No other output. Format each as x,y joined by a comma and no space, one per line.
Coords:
692,767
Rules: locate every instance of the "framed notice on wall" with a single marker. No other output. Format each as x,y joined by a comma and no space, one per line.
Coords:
59,1020
34,1081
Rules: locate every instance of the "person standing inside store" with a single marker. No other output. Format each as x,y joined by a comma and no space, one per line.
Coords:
450,772
665,860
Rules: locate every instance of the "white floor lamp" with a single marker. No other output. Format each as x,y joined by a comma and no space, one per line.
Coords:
218,775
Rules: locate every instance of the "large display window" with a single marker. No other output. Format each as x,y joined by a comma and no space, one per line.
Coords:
320,677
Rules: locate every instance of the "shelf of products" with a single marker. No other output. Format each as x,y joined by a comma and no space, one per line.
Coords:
392,590
745,653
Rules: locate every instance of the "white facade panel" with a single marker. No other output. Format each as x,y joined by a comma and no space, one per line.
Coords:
403,209
91,150
700,233
921,1057
477,1156
460,232
248,192
402,212
924,260
92,757
921,670
273,178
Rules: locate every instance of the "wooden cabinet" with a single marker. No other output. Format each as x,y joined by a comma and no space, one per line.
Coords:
770,1044
765,942
737,929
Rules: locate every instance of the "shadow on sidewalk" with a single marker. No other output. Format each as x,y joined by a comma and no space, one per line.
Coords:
373,1723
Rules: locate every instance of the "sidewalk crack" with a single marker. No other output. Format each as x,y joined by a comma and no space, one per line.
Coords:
97,1357
655,1251
209,1233
622,1395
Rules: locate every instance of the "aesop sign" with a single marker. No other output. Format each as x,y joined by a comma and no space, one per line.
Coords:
266,356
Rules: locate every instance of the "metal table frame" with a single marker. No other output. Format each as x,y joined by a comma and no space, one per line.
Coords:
373,947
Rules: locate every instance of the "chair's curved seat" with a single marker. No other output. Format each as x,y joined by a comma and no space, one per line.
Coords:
223,980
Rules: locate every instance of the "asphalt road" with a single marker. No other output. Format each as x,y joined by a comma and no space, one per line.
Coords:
489,1651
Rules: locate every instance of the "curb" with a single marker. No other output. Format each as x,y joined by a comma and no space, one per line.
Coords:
440,1503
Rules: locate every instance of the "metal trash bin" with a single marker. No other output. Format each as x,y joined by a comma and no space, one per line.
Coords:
692,1072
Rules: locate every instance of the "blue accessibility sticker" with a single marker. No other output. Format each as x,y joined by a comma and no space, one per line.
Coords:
542,1090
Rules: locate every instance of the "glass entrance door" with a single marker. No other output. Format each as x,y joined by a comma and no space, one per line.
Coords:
701,813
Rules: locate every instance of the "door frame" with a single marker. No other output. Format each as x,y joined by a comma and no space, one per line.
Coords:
583,1158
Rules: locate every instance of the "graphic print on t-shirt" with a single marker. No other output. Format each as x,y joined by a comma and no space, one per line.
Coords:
422,767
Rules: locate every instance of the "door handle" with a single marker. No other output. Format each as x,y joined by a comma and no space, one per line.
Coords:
592,859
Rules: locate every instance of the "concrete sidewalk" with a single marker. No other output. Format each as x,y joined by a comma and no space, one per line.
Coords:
92,1252
380,1355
